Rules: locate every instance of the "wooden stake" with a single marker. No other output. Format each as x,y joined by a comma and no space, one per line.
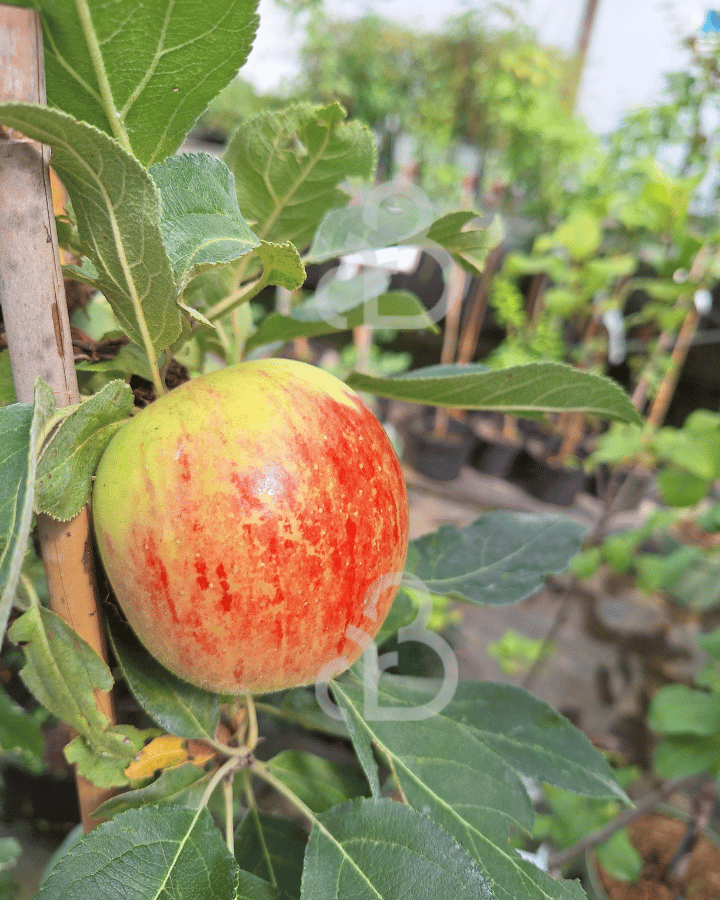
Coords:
456,292
473,324
38,331
664,395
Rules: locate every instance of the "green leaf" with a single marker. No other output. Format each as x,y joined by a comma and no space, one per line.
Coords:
272,849
526,390
118,216
452,773
526,734
618,443
681,488
180,786
130,360
288,166
20,428
581,235
533,738
300,706
517,263
7,385
60,668
468,246
699,585
362,744
103,769
9,889
686,450
158,851
676,709
619,858
63,672
654,571
398,310
403,611
606,269
148,69
177,706
200,221
250,887
501,558
63,479
318,782
710,642
678,756
282,265
10,849
441,764
19,731
378,848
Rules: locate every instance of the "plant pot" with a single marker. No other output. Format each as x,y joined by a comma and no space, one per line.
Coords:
551,484
494,457
439,457
539,433
657,837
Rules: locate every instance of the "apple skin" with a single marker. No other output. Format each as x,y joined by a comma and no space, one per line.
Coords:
253,524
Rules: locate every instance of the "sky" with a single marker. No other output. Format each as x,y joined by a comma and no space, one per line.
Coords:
634,42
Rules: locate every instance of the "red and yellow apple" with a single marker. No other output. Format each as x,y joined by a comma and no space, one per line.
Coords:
253,524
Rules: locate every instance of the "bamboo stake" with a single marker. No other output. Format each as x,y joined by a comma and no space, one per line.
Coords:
572,425
32,295
642,388
473,325
661,401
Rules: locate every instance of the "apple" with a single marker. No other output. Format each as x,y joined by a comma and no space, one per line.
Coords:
253,524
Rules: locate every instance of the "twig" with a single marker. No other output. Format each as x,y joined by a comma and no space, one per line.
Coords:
557,860
542,654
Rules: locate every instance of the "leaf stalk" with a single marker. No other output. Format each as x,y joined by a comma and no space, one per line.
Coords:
243,295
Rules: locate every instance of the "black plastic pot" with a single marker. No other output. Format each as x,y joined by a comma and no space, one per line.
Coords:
551,484
494,457
539,433
436,456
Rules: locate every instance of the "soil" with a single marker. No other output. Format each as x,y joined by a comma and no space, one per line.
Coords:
656,838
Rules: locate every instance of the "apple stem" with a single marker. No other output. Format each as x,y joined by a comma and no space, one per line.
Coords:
251,735
227,786
226,769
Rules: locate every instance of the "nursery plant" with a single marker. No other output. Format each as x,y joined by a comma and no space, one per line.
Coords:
194,801
688,718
